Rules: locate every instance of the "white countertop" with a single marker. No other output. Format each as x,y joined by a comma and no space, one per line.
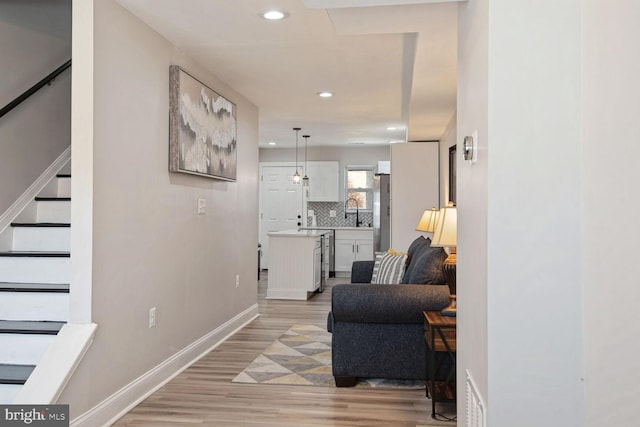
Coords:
301,233
338,228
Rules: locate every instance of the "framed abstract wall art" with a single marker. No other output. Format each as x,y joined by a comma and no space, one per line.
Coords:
202,128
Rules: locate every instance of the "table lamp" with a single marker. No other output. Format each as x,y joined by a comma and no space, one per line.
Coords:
445,236
428,220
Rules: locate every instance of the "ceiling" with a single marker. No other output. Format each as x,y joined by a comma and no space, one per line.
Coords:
389,63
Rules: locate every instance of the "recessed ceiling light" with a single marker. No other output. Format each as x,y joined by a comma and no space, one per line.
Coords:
273,143
391,128
274,15
325,94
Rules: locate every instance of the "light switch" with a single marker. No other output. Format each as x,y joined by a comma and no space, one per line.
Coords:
202,206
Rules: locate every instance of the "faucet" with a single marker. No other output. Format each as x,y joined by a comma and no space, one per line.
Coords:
357,210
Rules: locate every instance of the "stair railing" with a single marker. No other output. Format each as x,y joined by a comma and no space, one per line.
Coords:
36,87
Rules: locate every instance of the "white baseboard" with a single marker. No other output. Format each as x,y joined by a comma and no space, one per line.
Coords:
115,406
18,206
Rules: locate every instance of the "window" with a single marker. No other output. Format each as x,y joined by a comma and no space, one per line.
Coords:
359,187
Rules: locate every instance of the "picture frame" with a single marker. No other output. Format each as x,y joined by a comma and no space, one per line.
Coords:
452,173
202,128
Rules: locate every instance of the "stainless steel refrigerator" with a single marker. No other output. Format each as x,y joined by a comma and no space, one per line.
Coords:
381,212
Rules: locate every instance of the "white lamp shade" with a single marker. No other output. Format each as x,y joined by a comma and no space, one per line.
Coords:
446,228
428,220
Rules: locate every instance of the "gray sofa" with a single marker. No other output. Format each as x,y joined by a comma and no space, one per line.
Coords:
377,329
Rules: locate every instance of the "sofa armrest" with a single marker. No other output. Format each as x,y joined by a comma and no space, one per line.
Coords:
358,303
361,271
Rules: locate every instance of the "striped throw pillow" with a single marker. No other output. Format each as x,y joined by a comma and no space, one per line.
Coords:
388,268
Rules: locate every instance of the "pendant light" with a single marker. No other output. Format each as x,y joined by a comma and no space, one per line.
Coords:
305,180
296,175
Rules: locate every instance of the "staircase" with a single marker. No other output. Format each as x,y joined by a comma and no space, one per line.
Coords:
34,282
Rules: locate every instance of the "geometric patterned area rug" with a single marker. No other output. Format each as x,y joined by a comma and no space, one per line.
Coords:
302,356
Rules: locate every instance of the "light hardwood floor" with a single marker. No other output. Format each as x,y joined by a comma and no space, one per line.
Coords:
204,395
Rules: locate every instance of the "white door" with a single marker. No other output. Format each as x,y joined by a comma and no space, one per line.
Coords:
280,203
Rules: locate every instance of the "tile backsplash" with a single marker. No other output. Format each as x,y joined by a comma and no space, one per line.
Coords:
322,212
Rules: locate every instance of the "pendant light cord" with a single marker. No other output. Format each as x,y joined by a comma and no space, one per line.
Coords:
296,176
306,137
297,130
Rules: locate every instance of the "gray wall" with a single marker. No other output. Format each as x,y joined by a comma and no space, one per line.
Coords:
36,39
149,247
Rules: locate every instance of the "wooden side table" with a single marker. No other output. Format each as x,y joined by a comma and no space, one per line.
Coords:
440,335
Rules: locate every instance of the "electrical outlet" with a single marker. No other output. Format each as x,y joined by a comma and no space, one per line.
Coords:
152,317
237,280
332,214
202,206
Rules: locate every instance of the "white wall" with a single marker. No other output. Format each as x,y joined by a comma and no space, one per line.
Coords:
150,248
534,222
520,86
611,230
36,39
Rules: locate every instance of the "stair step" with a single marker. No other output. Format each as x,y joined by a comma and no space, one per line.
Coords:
30,327
27,349
8,393
41,237
15,374
58,187
34,301
40,224
35,267
25,342
53,199
36,254
34,306
34,287
52,209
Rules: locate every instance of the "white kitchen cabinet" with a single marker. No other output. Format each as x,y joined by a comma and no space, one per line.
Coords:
352,245
324,179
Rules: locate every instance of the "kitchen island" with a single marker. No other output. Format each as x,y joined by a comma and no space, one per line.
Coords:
298,263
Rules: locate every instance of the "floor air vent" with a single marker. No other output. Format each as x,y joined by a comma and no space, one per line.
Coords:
475,409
